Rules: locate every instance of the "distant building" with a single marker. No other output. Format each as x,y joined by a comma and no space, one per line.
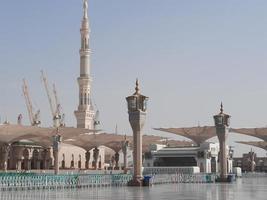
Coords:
204,156
26,155
249,162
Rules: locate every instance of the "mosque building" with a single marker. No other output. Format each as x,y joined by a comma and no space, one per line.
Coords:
83,147
31,151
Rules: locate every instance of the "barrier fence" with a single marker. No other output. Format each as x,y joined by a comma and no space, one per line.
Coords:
182,178
254,174
32,181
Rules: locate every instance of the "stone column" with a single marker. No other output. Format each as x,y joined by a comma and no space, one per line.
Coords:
135,119
18,165
56,166
47,158
116,158
223,158
56,146
16,156
4,151
26,161
87,159
95,156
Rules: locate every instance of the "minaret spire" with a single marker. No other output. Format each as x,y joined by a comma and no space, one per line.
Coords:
85,9
85,114
137,90
221,109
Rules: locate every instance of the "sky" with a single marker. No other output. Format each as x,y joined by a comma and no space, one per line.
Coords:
188,56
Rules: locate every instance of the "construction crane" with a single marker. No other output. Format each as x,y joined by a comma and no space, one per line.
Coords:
96,120
58,107
96,117
34,117
54,106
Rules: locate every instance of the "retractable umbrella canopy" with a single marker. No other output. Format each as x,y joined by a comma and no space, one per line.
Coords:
260,133
10,133
197,134
84,138
259,144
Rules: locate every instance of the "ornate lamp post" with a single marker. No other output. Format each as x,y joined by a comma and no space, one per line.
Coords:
125,145
137,106
222,122
57,139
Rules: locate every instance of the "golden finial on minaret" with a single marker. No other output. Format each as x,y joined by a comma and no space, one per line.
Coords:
85,8
221,108
137,90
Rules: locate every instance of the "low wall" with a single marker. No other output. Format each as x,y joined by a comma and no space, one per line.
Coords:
31,181
182,178
70,171
170,170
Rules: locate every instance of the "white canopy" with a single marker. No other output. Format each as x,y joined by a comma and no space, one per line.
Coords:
197,134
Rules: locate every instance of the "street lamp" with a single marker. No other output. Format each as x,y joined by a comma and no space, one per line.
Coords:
222,122
137,106
57,139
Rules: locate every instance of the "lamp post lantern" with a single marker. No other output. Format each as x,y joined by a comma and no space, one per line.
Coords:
137,106
222,122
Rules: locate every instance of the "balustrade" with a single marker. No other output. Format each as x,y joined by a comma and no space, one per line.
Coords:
182,178
21,181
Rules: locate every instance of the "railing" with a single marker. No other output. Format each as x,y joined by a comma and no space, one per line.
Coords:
254,174
32,181
21,181
182,178
170,170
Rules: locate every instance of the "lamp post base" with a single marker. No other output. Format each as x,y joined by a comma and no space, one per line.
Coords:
228,179
136,182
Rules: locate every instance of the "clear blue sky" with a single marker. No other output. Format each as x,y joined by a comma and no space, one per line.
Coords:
189,56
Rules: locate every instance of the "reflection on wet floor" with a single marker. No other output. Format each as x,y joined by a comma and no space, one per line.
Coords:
243,189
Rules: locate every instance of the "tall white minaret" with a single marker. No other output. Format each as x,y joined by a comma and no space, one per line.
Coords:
85,114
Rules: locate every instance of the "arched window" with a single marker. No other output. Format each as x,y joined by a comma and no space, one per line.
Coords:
80,162
85,102
63,161
72,161
81,99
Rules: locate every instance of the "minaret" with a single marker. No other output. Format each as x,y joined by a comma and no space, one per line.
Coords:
85,114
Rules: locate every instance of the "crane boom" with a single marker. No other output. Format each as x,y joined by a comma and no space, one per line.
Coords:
28,101
48,94
55,108
58,113
34,118
55,93
56,99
